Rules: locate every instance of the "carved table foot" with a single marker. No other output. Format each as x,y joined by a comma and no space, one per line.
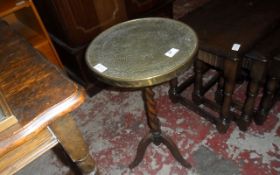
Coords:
141,150
157,139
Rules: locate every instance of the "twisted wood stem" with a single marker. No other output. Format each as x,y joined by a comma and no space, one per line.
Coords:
155,136
151,112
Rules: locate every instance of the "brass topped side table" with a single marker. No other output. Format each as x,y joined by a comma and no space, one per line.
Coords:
139,54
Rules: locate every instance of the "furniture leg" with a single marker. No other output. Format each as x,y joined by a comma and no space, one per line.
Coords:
267,100
155,135
230,72
256,74
73,143
173,94
220,90
197,91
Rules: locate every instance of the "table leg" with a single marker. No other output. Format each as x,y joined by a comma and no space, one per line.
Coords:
155,135
267,100
220,90
230,73
173,94
73,143
256,73
197,90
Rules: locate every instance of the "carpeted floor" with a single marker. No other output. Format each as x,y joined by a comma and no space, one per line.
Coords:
113,122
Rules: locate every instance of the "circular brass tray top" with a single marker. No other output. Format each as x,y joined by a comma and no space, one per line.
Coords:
142,52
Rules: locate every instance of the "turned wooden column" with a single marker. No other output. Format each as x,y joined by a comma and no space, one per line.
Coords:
230,72
270,90
256,74
71,139
267,100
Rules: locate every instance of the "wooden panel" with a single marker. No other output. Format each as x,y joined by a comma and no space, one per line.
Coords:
26,153
140,8
78,22
47,51
23,17
31,34
34,35
9,6
137,7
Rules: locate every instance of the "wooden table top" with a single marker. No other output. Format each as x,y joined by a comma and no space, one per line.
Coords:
36,91
266,48
219,23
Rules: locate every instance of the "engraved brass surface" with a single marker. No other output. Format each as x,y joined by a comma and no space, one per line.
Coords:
132,54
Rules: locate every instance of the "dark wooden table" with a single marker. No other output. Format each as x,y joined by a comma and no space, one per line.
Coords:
40,96
266,54
220,25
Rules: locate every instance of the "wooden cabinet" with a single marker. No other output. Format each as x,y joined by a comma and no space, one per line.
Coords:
143,8
73,24
77,22
22,16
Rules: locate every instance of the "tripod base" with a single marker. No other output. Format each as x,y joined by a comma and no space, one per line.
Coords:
157,139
